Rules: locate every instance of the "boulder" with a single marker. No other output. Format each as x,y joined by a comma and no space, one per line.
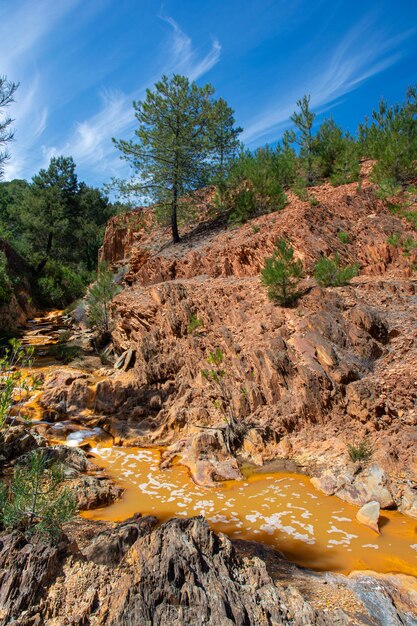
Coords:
368,515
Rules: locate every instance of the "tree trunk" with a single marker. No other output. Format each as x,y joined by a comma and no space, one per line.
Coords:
42,264
174,224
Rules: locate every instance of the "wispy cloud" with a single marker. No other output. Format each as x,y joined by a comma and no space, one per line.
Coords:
185,58
90,139
361,54
23,31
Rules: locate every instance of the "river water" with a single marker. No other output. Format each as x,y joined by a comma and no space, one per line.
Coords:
281,509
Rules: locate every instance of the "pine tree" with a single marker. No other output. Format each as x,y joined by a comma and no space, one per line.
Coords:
303,120
281,274
181,132
7,91
223,136
36,501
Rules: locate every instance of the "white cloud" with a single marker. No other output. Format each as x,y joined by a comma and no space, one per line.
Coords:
23,30
361,54
90,140
185,59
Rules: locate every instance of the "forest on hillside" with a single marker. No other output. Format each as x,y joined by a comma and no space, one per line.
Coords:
185,140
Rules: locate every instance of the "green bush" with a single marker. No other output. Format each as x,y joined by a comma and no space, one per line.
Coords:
99,298
329,273
6,285
281,274
409,245
361,452
36,501
394,239
15,386
343,237
60,284
193,324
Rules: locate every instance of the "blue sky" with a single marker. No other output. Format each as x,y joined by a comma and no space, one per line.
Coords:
80,63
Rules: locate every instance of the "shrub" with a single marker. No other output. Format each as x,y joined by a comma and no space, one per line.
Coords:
61,284
409,245
394,239
281,274
329,273
193,324
14,386
343,237
6,286
99,298
244,207
36,501
361,452
234,430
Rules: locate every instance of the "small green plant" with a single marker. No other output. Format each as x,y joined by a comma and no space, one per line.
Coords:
234,431
15,387
409,245
281,274
329,273
361,452
36,502
300,191
394,239
193,324
64,353
255,229
313,201
343,237
99,298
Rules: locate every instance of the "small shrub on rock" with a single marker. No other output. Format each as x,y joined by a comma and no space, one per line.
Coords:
361,452
194,324
343,237
329,273
99,298
281,274
36,502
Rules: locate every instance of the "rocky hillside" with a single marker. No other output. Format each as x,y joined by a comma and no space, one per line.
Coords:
336,369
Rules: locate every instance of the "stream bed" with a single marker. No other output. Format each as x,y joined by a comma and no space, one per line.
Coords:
280,509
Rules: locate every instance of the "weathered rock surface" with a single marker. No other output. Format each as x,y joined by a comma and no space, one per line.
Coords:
182,573
337,368
368,515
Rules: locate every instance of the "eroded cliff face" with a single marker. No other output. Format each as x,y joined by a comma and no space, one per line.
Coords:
338,367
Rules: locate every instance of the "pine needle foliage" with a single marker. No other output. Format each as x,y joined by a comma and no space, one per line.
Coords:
15,386
36,502
99,298
281,274
328,272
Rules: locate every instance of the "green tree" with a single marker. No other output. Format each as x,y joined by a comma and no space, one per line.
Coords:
6,286
223,137
7,92
177,138
281,274
99,298
390,137
329,272
336,153
36,501
303,120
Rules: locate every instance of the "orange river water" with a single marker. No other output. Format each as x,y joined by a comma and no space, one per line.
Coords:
281,509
